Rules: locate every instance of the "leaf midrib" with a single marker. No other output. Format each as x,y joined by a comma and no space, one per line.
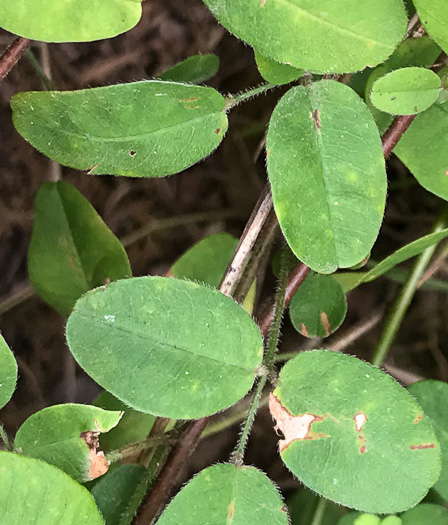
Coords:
164,343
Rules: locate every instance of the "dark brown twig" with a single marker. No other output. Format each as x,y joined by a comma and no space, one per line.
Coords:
12,55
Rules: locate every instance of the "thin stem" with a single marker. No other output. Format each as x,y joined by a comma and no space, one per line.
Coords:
296,278
12,55
250,234
319,513
268,365
47,82
134,448
394,133
233,100
4,437
404,299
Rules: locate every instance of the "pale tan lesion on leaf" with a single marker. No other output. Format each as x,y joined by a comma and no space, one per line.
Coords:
292,427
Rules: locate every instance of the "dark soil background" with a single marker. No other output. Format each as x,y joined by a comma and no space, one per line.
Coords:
230,180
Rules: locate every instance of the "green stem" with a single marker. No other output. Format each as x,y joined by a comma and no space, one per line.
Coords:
404,299
134,448
48,83
319,513
267,366
234,100
4,438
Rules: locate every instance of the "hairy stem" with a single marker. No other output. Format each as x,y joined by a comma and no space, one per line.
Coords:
4,438
404,299
12,55
233,100
268,365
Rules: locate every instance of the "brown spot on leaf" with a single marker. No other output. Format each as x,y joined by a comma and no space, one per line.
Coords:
169,273
316,118
362,449
262,3
422,446
325,323
191,107
268,152
190,99
304,330
217,130
231,511
446,173
284,509
418,419
98,463
293,428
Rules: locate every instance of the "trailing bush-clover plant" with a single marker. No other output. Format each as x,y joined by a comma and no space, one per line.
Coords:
172,351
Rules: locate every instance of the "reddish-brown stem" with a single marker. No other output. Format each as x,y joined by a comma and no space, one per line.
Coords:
296,278
12,55
176,460
395,131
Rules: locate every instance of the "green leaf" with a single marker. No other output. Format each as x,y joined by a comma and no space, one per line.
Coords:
144,129
302,508
194,70
71,249
434,17
425,514
8,373
423,149
66,436
114,490
326,168
74,21
406,91
432,396
133,426
227,494
417,52
319,307
33,492
356,518
347,425
351,280
165,346
207,260
337,36
275,72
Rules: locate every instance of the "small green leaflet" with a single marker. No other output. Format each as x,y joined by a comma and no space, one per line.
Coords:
143,129
406,91
425,514
346,425
319,307
227,494
73,21
165,346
